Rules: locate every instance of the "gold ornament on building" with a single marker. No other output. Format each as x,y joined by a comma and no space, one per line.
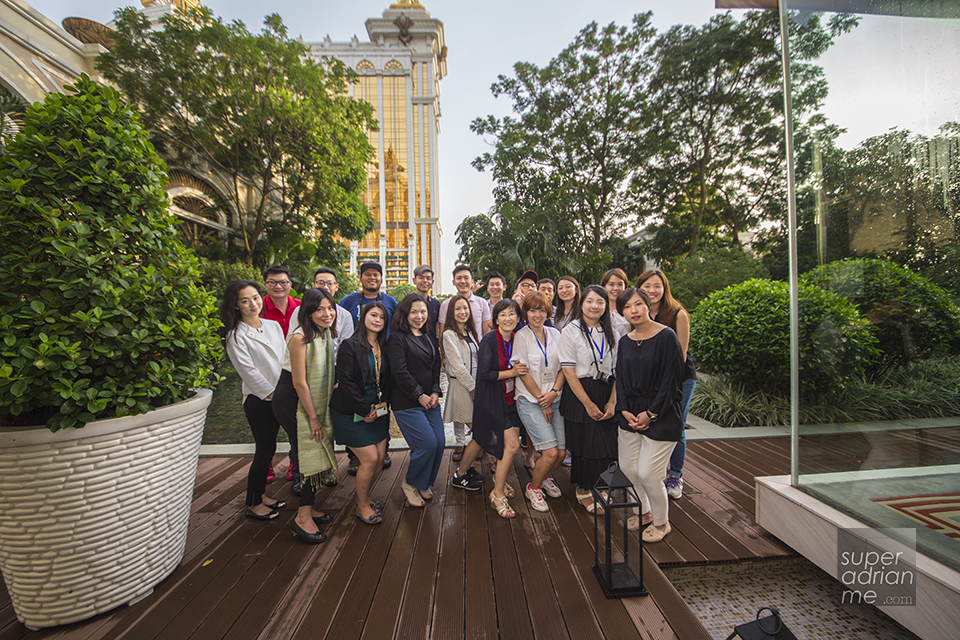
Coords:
179,4
407,4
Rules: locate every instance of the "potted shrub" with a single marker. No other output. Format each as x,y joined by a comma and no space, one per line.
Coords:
107,349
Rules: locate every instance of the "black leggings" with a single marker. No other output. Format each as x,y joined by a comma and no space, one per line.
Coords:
265,427
285,405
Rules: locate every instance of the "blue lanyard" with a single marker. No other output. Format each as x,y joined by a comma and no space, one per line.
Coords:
543,347
603,344
508,349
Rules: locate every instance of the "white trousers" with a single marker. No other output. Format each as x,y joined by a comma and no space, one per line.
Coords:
644,462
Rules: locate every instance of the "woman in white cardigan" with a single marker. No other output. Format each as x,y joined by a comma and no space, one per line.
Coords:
255,346
460,343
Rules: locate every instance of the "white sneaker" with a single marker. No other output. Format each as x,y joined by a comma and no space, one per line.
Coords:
567,459
550,488
674,487
535,496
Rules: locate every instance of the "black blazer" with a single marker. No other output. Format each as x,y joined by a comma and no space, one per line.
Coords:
352,370
415,369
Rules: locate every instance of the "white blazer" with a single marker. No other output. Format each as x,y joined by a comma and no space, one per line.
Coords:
256,355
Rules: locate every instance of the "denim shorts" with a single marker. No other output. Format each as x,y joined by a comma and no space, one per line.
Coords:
543,434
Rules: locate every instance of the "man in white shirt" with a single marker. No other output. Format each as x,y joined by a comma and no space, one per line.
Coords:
326,278
482,315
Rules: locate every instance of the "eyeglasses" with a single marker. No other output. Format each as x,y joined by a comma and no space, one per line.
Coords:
324,283
527,285
277,283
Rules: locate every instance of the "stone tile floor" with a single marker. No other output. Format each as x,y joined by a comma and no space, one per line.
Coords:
723,596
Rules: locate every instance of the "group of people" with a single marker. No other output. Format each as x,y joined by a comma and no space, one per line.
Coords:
602,376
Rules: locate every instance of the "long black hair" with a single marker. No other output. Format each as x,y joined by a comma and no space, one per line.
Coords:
450,321
361,332
311,302
604,319
562,310
229,314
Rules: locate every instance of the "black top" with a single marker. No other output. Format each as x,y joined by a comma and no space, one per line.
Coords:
433,317
689,366
489,402
650,377
353,371
414,368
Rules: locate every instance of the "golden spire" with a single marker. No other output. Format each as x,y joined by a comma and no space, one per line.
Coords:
407,4
179,4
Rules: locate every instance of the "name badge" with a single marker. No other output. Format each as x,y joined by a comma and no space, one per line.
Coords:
381,409
549,377
510,384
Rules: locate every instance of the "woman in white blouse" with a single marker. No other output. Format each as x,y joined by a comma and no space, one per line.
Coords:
460,344
255,346
588,349
538,399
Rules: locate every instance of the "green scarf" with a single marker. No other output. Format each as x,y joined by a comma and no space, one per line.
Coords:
317,457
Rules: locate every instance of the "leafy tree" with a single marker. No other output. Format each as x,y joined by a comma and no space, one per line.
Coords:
711,269
570,148
715,153
254,107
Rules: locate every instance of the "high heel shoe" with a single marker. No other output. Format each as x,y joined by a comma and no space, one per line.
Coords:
253,515
319,536
414,499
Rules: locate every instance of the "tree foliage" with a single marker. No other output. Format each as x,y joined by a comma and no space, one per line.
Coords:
101,308
255,107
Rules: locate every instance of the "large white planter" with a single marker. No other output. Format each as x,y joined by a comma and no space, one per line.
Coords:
96,517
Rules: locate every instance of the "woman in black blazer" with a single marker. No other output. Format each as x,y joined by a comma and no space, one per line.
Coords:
358,408
415,395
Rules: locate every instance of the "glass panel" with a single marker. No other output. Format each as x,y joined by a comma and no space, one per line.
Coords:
366,89
880,350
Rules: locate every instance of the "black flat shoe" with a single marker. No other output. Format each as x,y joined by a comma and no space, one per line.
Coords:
324,519
320,536
296,488
276,506
253,515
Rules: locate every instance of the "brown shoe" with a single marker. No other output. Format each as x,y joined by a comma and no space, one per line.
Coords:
457,453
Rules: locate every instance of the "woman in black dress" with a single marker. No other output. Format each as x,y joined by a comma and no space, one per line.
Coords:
649,389
588,357
358,407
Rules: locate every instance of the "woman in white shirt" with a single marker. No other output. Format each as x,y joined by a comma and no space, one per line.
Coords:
588,349
460,342
538,399
255,346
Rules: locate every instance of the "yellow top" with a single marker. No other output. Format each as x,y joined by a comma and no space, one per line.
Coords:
407,4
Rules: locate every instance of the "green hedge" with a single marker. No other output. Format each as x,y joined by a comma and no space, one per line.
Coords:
743,331
711,269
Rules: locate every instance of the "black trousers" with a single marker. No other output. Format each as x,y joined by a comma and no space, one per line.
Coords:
264,426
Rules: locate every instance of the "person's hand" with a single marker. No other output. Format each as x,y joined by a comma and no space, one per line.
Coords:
370,417
519,369
546,399
518,296
594,412
608,412
425,401
473,393
434,400
316,429
477,285
548,413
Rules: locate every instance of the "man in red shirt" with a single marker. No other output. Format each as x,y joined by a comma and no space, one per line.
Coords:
278,305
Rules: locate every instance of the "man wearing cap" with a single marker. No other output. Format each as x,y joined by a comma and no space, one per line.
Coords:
423,280
482,314
371,277
526,283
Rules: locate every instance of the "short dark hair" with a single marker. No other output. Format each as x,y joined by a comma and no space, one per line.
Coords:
624,298
276,270
400,322
324,270
462,267
548,281
497,274
308,306
503,305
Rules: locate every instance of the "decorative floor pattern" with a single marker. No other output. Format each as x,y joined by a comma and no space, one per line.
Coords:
724,596
940,512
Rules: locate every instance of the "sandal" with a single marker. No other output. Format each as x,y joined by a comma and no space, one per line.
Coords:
590,506
504,510
413,496
508,491
652,534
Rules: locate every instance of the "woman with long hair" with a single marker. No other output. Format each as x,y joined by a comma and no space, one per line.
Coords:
255,347
495,419
302,400
538,398
666,310
649,371
460,345
588,357
615,281
415,396
568,301
358,407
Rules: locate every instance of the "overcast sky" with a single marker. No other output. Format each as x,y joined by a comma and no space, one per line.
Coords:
881,75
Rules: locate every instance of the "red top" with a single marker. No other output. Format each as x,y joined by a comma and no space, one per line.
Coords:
505,351
270,312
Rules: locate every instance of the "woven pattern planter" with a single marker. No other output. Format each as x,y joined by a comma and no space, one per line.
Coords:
96,517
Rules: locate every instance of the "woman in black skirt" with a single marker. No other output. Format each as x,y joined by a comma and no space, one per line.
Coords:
588,347
358,408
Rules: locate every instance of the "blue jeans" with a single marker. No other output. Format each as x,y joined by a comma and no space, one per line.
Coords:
423,431
543,434
680,451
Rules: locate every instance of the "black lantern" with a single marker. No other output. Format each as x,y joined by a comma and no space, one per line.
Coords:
618,556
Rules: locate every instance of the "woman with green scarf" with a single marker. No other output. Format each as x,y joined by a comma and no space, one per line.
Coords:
302,399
